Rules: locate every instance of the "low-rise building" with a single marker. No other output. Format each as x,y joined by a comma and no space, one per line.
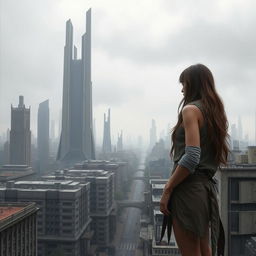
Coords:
119,168
18,229
102,207
237,197
152,233
63,219
14,172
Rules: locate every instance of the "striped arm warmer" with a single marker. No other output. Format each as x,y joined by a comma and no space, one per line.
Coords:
191,158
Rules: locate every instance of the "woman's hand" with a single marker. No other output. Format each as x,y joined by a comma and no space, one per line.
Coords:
164,201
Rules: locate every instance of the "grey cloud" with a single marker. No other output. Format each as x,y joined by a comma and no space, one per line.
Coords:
31,48
217,42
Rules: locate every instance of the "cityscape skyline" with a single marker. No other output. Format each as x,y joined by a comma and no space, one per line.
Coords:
105,198
116,57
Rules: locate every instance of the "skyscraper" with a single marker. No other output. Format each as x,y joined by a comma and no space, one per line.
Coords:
152,139
43,135
233,132
20,135
240,129
120,142
106,147
76,140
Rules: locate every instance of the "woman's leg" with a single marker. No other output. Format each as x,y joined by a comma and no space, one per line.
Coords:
204,245
188,243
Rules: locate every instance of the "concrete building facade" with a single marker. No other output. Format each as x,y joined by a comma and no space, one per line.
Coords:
102,207
18,229
120,170
252,154
237,198
151,230
20,134
63,221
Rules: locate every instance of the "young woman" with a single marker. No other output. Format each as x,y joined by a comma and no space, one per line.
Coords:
199,147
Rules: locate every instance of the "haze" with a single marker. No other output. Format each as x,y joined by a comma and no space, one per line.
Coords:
139,49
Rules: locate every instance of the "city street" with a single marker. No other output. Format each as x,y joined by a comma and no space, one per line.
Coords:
130,220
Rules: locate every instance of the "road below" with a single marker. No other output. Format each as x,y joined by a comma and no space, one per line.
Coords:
131,218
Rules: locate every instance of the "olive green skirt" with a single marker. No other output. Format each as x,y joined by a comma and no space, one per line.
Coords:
194,204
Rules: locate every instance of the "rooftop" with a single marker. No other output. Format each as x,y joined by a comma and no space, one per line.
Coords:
94,173
13,212
6,211
158,186
63,185
12,172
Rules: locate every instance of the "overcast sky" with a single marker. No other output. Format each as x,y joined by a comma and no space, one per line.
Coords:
139,49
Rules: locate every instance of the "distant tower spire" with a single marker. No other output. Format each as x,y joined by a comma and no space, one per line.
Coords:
106,147
21,102
240,129
43,141
76,139
120,142
152,138
75,53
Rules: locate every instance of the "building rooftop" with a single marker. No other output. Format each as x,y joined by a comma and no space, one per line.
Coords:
13,212
90,172
157,181
158,186
6,211
240,167
12,172
67,185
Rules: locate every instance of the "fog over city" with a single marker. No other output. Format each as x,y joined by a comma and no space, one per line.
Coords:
139,49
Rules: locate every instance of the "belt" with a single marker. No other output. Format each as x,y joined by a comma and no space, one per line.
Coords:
217,230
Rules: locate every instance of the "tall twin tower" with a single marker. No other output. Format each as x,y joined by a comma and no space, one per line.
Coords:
76,140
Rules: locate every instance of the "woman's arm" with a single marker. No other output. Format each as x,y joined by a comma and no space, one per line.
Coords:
190,115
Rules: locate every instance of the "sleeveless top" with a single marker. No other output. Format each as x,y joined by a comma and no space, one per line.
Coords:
207,159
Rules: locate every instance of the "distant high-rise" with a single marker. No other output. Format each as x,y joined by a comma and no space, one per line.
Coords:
6,149
43,135
152,139
20,135
233,132
240,129
76,140
120,142
106,147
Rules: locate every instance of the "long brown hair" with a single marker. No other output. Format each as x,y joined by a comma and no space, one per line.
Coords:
199,84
